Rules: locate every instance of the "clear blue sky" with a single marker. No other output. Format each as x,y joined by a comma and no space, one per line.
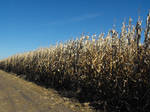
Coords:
29,24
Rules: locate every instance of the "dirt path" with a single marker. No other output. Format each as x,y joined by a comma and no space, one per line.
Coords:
18,95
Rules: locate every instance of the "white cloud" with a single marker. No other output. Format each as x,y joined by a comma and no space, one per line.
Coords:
84,17
75,19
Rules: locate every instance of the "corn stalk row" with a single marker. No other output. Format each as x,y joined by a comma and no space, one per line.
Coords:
112,72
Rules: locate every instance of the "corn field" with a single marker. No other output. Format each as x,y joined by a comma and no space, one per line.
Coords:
111,72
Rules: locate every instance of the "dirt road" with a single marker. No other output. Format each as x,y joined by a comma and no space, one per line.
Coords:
18,95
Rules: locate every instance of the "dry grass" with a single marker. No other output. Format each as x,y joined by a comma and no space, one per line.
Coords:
111,73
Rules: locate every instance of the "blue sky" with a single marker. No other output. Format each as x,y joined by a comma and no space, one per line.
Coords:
29,24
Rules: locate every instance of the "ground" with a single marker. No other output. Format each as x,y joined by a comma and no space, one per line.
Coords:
18,95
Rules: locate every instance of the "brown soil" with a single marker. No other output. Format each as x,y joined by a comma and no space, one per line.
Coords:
18,95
